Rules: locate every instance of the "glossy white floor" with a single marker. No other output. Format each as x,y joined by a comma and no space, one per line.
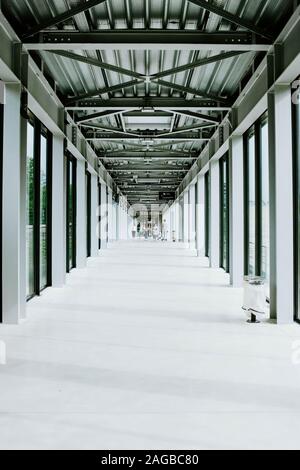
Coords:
147,348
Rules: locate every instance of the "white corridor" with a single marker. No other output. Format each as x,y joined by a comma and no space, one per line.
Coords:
147,348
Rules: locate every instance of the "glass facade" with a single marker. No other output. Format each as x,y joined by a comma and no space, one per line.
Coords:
265,204
207,215
88,214
224,213
99,216
38,208
30,213
251,202
44,222
257,202
71,212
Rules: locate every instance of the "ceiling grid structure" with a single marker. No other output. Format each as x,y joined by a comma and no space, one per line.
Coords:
148,81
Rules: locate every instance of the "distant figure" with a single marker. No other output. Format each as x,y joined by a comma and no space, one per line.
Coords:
134,229
165,231
155,232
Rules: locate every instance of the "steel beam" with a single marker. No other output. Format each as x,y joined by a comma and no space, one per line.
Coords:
102,91
192,91
96,63
149,40
113,130
153,115
119,135
102,114
153,169
126,155
180,130
235,19
159,103
55,20
202,117
197,63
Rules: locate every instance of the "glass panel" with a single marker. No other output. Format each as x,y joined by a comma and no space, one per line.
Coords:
207,215
71,223
43,215
265,206
225,215
251,205
30,209
88,213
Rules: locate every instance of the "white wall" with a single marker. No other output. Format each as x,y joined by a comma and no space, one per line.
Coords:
13,303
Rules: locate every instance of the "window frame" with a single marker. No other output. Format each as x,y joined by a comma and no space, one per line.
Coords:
40,130
207,213
71,164
99,215
224,177
254,130
88,213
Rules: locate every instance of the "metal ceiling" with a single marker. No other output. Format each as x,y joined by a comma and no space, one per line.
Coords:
147,126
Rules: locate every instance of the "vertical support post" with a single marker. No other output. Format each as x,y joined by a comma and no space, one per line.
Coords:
281,204
13,301
94,215
59,213
214,214
192,217
23,217
186,217
236,210
110,216
103,216
177,220
200,216
81,215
